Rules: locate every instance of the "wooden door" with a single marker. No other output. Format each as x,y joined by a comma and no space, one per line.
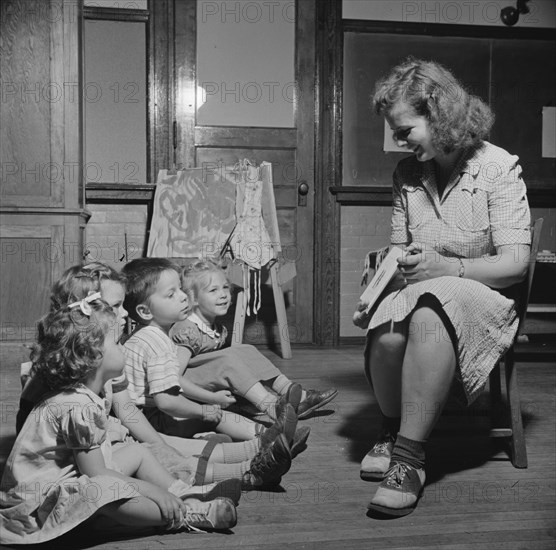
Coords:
290,149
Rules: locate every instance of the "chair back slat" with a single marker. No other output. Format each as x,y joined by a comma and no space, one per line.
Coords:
525,287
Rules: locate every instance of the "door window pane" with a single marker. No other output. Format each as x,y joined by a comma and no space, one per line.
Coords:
115,105
245,63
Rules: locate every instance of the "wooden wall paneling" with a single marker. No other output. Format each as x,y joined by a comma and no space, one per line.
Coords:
25,112
328,169
46,101
161,54
30,263
185,92
42,210
73,182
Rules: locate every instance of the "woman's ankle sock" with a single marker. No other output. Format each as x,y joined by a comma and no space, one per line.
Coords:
409,451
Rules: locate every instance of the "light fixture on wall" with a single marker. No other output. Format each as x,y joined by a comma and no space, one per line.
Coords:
510,15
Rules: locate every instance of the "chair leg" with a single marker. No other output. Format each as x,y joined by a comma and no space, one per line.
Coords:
518,447
495,397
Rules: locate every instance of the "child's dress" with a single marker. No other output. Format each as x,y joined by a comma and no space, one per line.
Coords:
43,495
215,368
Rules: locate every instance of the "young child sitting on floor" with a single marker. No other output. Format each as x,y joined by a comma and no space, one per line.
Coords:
154,299
240,368
62,469
195,461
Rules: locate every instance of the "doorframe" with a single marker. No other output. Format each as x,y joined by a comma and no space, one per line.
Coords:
328,170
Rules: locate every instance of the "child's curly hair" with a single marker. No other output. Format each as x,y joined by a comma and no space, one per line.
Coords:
70,344
196,276
142,276
79,281
457,119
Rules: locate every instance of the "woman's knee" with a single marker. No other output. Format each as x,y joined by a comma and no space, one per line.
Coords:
426,326
387,341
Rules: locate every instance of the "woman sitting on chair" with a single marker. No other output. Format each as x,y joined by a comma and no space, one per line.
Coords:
460,212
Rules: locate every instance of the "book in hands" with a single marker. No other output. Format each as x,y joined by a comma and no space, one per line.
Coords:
385,271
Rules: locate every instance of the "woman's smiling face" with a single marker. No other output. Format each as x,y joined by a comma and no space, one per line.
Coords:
411,131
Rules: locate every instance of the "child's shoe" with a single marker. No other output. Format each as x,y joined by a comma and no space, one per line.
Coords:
315,400
399,491
217,514
292,396
269,464
286,424
377,461
299,443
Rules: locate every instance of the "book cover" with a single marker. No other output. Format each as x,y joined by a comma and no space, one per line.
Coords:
385,270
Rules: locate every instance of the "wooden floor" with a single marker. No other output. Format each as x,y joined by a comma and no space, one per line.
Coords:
474,497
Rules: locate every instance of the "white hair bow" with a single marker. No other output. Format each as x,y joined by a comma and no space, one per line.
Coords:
85,304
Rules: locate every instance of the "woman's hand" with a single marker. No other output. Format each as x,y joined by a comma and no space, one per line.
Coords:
418,264
172,509
224,398
360,317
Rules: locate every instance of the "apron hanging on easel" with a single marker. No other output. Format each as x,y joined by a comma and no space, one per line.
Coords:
250,241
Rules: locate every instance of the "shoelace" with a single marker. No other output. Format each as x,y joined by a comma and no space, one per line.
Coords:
396,475
195,517
381,448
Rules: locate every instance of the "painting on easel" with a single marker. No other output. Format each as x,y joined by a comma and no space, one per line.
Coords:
225,212
193,212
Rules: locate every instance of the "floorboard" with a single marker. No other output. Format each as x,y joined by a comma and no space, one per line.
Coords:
474,498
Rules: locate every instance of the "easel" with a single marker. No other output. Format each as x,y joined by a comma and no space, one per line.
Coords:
214,219
279,304
271,221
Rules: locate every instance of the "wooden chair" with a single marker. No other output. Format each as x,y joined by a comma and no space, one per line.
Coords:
508,411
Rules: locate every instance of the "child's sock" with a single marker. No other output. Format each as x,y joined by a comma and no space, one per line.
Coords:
409,451
220,472
261,398
281,384
238,452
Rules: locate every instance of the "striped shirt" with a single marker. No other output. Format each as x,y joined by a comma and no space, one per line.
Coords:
151,365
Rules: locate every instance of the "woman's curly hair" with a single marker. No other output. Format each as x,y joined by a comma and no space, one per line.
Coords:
70,344
79,281
457,119
196,276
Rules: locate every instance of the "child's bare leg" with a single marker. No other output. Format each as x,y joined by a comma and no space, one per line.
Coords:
236,426
137,461
185,445
135,512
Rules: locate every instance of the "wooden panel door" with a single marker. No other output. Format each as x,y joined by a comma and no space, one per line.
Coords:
289,149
